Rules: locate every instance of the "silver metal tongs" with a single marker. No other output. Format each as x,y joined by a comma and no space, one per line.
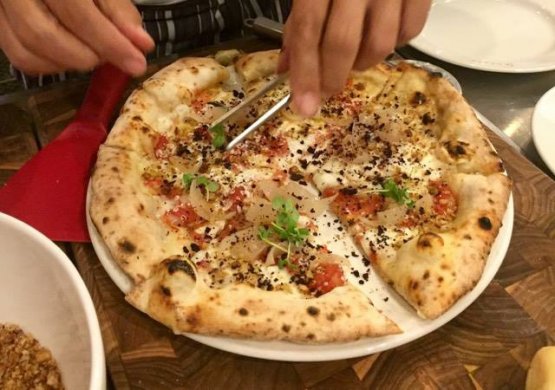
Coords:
247,102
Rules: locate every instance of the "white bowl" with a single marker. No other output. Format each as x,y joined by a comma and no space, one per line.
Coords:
42,292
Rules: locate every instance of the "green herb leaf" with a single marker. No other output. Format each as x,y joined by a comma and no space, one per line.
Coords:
218,135
284,227
398,194
188,179
209,185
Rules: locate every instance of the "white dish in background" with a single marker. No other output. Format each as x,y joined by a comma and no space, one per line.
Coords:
395,307
42,293
513,36
543,128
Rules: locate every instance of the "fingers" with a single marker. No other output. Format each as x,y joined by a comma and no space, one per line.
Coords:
305,26
284,57
91,26
21,58
127,19
380,36
413,19
341,43
39,33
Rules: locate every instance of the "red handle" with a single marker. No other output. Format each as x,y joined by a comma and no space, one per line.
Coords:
105,90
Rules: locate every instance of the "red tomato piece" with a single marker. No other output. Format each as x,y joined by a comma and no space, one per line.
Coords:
355,206
274,146
445,201
183,216
327,276
160,146
237,196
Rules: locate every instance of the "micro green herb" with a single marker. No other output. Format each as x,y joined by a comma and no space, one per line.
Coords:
398,194
209,185
218,135
284,227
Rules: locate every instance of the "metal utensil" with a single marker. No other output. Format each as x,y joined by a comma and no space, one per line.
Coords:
268,114
247,102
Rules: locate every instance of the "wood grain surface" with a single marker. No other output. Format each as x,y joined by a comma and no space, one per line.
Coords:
488,346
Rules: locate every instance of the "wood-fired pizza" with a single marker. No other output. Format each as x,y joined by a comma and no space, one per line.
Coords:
248,242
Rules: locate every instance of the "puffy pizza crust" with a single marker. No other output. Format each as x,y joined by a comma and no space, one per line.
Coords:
125,214
176,296
257,65
433,270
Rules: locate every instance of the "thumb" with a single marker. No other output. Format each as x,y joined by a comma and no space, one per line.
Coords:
127,19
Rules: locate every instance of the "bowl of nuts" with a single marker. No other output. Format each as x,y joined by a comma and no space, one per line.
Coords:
49,332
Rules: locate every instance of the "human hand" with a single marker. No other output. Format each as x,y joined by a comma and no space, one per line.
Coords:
325,39
49,36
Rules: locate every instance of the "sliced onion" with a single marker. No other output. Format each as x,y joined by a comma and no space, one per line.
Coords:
314,207
202,207
184,165
269,188
392,216
426,202
260,212
244,244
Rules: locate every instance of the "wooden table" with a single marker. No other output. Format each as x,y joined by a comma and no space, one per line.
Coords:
489,346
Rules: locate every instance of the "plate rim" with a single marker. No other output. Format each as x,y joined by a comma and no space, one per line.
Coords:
549,162
423,45
311,353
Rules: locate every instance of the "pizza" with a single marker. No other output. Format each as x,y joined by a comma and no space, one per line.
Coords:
276,239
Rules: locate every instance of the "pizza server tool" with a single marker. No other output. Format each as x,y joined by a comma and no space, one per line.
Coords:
257,123
48,192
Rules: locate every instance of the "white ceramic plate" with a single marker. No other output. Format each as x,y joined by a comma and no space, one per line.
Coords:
513,36
543,128
42,292
379,292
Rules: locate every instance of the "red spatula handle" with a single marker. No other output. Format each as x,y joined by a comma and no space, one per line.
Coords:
105,90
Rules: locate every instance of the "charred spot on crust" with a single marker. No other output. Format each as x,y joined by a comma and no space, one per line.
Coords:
127,246
310,336
418,98
192,320
330,317
440,279
427,119
105,220
313,311
467,237
166,291
174,265
485,223
426,275
456,149
110,200
115,169
243,312
428,240
145,129
286,328
414,284
141,207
